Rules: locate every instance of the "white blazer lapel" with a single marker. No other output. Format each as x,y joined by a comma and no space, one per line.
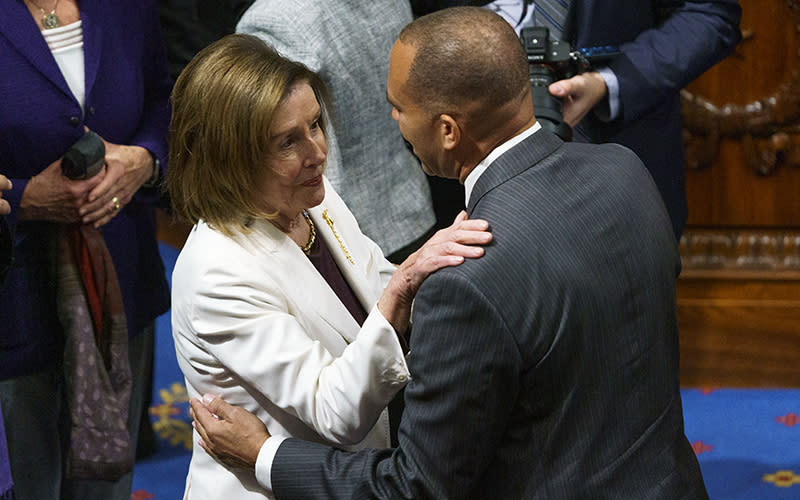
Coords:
353,261
322,308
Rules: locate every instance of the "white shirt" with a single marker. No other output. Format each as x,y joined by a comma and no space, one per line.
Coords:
480,168
66,44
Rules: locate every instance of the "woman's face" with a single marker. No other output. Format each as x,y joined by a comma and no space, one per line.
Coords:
292,179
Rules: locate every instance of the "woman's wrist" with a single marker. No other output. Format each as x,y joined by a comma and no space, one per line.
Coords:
152,181
395,303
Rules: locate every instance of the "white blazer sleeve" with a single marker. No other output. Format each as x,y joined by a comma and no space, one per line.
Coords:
247,328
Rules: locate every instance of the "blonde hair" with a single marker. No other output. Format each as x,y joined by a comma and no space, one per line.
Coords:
223,104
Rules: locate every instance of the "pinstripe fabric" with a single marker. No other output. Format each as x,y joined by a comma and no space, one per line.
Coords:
547,369
553,15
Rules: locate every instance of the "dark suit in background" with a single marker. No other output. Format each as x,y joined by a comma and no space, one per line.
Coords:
190,25
664,45
547,369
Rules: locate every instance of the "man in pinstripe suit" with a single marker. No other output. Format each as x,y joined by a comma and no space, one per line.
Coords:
548,369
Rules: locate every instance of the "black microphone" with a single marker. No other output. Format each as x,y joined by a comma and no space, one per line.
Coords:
85,158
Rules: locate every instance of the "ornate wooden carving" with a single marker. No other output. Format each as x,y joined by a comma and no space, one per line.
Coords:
739,292
768,128
743,250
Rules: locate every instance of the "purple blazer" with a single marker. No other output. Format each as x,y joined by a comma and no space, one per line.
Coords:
127,102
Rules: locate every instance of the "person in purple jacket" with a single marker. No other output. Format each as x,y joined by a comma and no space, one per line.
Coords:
5,234
6,483
71,67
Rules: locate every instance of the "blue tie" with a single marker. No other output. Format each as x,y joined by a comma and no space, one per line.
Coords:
552,14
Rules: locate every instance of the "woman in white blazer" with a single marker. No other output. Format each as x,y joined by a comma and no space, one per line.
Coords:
279,303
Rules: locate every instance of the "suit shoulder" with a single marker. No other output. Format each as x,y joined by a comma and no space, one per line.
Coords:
616,159
603,151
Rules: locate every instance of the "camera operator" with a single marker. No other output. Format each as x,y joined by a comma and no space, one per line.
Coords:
635,99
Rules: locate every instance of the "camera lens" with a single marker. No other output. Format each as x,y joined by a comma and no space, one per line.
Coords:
546,107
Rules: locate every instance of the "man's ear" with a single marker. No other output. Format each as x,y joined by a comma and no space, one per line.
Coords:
449,132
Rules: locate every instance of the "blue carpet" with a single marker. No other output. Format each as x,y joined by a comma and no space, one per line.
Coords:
747,441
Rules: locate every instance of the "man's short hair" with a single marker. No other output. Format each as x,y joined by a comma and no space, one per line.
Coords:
223,104
464,55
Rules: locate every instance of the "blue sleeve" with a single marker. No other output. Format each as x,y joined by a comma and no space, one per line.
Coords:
660,61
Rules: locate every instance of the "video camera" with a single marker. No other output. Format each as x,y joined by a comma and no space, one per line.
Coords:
550,61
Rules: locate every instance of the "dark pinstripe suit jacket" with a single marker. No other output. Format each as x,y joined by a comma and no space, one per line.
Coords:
547,369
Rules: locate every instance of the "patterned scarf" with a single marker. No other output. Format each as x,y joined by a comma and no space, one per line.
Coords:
96,365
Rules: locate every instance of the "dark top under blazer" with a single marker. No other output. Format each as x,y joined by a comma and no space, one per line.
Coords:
547,369
127,102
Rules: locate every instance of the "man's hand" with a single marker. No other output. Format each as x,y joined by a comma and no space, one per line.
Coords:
579,94
231,434
5,185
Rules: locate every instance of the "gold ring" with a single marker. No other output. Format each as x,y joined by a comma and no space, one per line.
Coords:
115,201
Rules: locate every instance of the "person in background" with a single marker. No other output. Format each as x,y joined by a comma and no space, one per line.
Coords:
633,98
546,369
190,25
6,248
6,243
279,302
87,283
347,43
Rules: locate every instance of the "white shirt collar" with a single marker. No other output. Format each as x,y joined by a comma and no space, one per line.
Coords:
480,168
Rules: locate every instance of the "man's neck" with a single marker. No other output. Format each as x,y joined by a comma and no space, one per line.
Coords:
497,152
482,148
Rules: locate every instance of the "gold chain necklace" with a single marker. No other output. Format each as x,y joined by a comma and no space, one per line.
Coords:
49,19
312,235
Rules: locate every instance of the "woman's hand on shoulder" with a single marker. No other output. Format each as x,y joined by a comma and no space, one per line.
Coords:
464,239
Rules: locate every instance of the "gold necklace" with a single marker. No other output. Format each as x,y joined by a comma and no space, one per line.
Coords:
312,235
49,19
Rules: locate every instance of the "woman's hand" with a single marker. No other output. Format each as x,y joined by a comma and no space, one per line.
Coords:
448,247
127,168
50,196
